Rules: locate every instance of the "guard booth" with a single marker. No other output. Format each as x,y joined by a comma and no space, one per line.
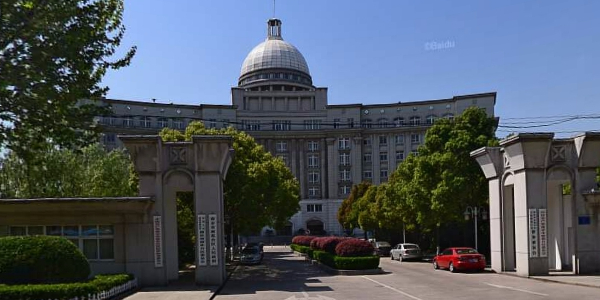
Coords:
544,203
138,235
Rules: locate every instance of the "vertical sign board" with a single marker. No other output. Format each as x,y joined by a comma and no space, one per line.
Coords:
543,216
202,239
158,249
533,233
212,240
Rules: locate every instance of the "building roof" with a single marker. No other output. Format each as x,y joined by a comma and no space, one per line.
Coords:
65,200
274,53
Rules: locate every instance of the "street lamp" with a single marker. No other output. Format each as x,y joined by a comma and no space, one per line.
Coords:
474,212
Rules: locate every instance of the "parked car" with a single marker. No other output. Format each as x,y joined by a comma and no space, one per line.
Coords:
251,256
406,251
382,248
458,259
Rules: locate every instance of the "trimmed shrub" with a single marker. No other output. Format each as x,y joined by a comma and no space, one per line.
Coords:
303,240
353,248
325,258
329,243
41,259
309,253
301,249
63,290
315,242
356,263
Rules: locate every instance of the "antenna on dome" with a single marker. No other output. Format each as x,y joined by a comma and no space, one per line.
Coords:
274,8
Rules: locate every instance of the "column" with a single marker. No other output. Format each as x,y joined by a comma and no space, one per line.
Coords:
376,162
331,169
324,179
391,154
293,167
357,160
302,167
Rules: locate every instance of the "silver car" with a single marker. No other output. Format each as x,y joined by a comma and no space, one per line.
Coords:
406,251
251,256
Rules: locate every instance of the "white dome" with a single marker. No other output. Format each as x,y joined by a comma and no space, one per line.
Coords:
274,53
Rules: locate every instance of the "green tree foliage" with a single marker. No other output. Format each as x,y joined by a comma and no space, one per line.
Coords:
259,190
435,187
91,172
345,214
364,209
52,55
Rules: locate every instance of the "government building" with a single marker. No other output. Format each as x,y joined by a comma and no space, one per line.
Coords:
327,147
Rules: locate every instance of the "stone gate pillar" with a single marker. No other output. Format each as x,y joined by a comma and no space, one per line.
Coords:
164,169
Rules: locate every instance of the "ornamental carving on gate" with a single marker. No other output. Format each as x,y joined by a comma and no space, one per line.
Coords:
558,153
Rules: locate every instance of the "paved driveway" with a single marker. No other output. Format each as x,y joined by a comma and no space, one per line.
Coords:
284,276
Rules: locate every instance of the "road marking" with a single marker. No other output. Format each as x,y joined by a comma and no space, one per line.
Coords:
515,289
307,297
393,289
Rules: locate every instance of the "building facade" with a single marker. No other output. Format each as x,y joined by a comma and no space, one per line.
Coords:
328,148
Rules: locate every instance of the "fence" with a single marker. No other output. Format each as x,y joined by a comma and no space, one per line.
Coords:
117,290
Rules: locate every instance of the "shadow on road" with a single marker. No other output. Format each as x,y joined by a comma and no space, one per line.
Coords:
280,271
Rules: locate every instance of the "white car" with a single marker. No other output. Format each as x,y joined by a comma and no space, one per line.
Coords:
406,251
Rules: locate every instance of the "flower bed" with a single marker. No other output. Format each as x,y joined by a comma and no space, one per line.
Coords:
340,253
100,287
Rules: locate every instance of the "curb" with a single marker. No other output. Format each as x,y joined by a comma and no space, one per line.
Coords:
550,280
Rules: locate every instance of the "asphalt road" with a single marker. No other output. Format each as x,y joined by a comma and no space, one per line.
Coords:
284,276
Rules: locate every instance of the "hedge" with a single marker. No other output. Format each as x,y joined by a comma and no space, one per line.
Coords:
63,291
356,263
300,248
41,259
354,248
347,263
327,243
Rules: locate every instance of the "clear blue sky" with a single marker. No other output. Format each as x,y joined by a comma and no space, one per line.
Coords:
541,57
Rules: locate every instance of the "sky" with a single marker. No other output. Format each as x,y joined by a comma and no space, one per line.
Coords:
541,57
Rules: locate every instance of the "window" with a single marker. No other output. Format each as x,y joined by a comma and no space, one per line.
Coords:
430,120
163,122
251,125
224,123
400,139
95,241
314,207
415,152
313,177
415,138
344,143
383,173
398,122
281,125
366,123
127,121
313,161
382,123
344,159
345,189
399,155
312,124
178,124
383,156
336,123
382,140
281,146
368,174
284,158
345,175
449,116
313,146
146,122
367,141
415,121
212,123
367,157
313,192
111,120
350,122
110,138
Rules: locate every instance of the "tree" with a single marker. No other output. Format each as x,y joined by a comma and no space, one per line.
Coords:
91,172
52,55
259,190
434,187
364,209
345,214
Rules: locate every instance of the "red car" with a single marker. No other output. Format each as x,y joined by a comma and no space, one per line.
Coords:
459,258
